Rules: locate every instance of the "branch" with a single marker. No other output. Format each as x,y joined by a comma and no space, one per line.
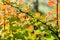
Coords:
57,15
56,33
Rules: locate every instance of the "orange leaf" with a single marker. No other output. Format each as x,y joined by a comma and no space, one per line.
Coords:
51,0
20,2
27,8
10,9
58,8
1,15
20,15
14,14
51,3
44,17
1,3
53,17
26,38
4,7
59,16
30,27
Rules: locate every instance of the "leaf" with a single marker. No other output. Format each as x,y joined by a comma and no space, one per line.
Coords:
37,15
37,23
51,3
30,27
37,32
26,33
9,38
4,7
12,19
19,35
14,28
0,27
11,35
8,1
49,36
53,35
20,2
11,9
44,17
25,26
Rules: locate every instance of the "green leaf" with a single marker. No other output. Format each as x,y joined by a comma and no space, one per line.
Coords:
26,33
49,36
19,35
25,26
9,38
0,27
37,32
14,28
12,19
53,35
37,23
